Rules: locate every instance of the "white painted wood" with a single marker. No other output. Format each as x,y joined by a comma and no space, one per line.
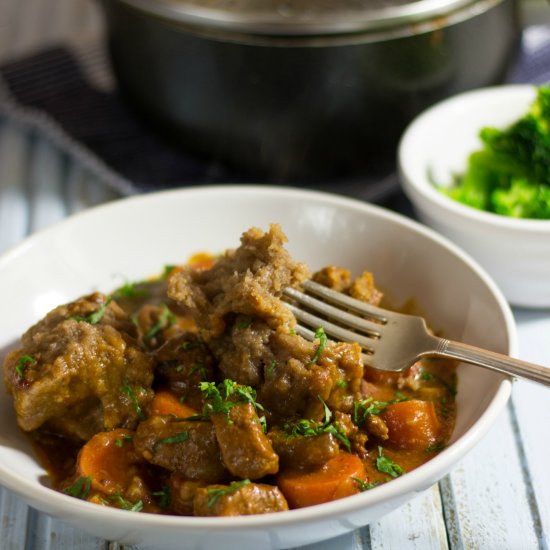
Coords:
532,410
13,521
417,525
13,199
492,509
49,534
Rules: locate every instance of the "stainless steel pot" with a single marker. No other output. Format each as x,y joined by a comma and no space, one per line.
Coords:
301,89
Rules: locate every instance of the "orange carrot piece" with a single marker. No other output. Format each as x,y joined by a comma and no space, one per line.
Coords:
412,424
201,260
108,460
165,403
336,479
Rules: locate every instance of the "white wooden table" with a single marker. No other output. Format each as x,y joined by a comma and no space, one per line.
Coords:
497,498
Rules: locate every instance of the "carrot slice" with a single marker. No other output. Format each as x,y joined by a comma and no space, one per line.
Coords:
336,479
412,424
166,402
108,459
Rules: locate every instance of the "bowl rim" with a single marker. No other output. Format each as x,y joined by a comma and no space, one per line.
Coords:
417,181
58,504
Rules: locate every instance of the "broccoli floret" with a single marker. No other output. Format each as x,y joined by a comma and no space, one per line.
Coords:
511,174
522,200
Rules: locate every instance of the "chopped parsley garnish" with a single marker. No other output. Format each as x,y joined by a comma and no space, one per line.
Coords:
362,409
387,465
22,364
435,448
215,493
166,319
363,485
119,441
80,488
322,337
311,428
188,345
129,391
168,268
429,376
165,496
271,369
244,323
199,368
178,438
96,316
222,397
125,504
130,290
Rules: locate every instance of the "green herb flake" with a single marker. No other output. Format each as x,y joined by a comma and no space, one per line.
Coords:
369,405
23,363
244,323
430,376
217,492
125,504
96,316
165,496
222,397
387,465
119,441
166,319
311,428
80,488
435,448
129,391
168,268
130,290
363,485
198,368
178,438
188,345
271,369
322,337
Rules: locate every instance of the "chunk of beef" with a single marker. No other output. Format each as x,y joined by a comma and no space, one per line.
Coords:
184,446
80,371
243,350
238,499
243,286
182,363
363,289
246,450
182,492
333,277
295,385
304,452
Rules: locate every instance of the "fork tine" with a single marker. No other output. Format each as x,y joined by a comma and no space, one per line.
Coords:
330,329
365,326
377,314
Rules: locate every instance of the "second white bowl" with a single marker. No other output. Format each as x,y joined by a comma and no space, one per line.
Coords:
516,252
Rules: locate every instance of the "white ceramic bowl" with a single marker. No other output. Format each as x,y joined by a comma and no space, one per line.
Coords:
515,252
135,237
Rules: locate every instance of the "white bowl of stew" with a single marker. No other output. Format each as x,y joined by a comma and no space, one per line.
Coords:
132,239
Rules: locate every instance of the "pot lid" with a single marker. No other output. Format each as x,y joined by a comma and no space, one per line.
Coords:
294,17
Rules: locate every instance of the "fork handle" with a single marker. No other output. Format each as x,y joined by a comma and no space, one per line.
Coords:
494,361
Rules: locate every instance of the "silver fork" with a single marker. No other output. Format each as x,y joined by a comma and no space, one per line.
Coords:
390,341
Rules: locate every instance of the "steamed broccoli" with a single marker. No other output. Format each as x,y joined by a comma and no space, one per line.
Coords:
511,174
